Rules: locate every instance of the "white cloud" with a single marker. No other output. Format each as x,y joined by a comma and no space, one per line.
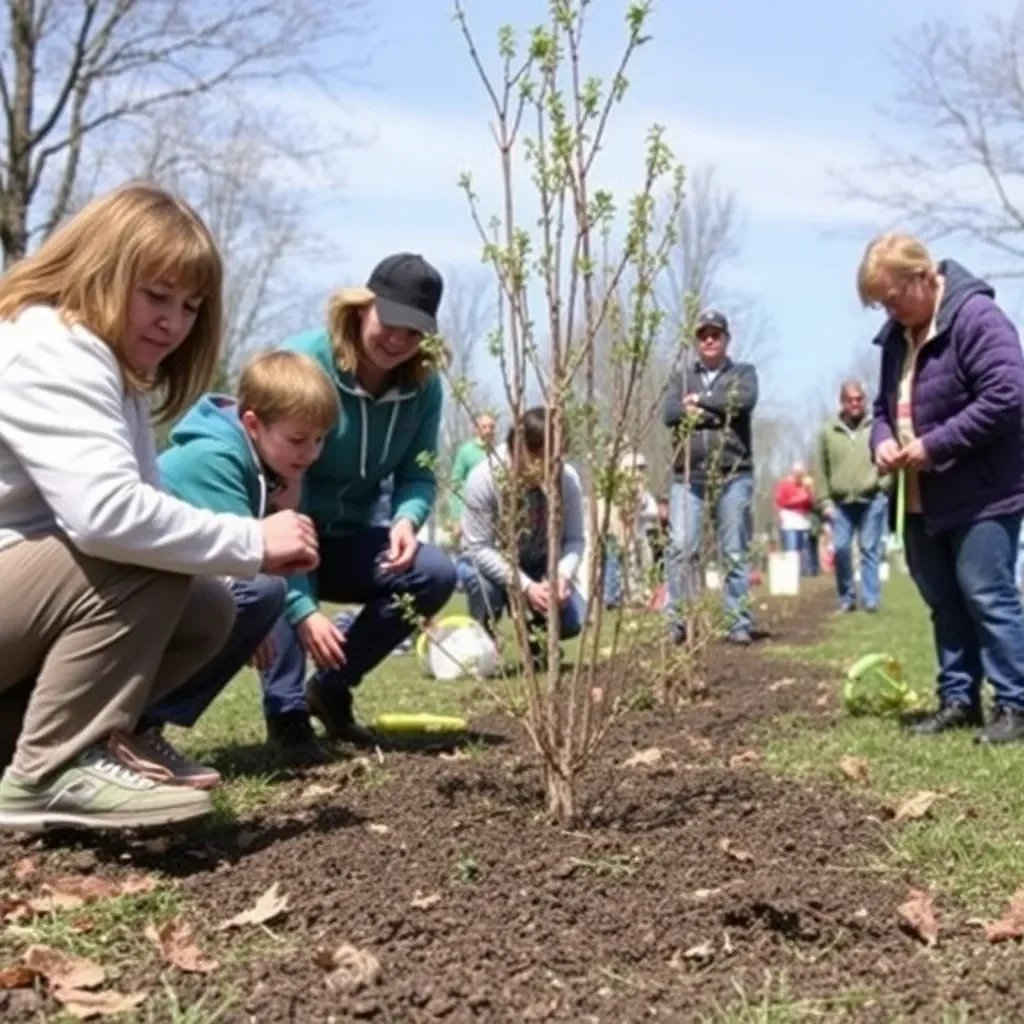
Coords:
413,157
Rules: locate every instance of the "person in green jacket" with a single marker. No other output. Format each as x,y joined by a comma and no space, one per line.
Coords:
470,453
856,497
389,386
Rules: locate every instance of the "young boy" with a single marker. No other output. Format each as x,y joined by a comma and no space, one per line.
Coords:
486,572
248,456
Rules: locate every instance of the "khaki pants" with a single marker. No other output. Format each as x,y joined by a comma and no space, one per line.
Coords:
100,639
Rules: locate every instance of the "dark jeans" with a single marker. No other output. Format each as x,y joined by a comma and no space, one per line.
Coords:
350,573
258,604
488,599
966,577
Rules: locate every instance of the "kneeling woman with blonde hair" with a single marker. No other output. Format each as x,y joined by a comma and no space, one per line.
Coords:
108,606
389,384
949,417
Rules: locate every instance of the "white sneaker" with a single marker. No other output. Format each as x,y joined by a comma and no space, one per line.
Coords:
150,754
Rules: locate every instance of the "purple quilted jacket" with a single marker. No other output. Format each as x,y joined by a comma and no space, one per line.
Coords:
967,405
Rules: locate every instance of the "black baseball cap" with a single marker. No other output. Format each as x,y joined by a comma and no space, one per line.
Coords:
408,291
713,319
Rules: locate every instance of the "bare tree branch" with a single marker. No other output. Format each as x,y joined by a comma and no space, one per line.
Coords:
100,67
957,169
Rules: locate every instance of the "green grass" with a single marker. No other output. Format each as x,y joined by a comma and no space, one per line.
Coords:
970,845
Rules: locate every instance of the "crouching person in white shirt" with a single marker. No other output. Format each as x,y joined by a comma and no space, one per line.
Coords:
485,570
111,601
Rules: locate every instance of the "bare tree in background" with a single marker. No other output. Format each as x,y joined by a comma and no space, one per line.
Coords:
957,169
259,224
469,314
81,73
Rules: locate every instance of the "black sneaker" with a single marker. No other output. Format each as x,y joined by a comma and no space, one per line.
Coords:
948,716
334,709
1005,726
291,737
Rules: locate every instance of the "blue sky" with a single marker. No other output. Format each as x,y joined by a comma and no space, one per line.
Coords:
777,96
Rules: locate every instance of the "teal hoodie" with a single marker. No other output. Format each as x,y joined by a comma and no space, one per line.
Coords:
212,464
394,434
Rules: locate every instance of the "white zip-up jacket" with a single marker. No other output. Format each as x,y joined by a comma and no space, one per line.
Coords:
77,456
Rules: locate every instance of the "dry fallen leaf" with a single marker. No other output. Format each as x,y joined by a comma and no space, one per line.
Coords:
18,976
86,1005
782,684
744,757
316,793
62,970
705,894
425,902
644,758
918,914
139,885
702,951
24,869
727,848
268,907
177,946
1011,924
350,969
916,806
85,888
13,909
855,768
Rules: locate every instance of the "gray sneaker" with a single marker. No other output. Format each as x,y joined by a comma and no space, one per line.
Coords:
149,754
96,791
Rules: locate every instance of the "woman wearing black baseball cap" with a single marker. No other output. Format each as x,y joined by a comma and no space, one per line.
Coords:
389,385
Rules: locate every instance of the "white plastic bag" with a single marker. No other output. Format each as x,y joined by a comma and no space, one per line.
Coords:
456,647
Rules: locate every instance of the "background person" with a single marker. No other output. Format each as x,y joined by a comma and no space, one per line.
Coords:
710,406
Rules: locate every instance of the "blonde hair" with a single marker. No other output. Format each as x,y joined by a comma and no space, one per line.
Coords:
284,385
901,255
89,268
345,312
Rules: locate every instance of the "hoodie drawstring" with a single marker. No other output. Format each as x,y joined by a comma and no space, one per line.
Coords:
390,433
363,441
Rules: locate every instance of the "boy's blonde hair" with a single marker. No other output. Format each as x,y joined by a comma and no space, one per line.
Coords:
89,268
902,255
344,319
282,385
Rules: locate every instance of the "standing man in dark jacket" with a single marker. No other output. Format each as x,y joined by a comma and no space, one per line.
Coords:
709,406
949,417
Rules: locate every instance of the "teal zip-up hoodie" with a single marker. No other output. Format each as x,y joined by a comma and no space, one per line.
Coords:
212,464
393,435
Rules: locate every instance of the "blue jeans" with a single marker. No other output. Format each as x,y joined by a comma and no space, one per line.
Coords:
350,573
258,604
966,577
488,600
866,521
612,575
732,517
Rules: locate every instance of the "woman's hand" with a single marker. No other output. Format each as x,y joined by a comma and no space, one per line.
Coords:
402,549
888,456
322,641
289,544
915,456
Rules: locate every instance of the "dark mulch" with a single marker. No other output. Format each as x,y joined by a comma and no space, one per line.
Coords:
691,876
